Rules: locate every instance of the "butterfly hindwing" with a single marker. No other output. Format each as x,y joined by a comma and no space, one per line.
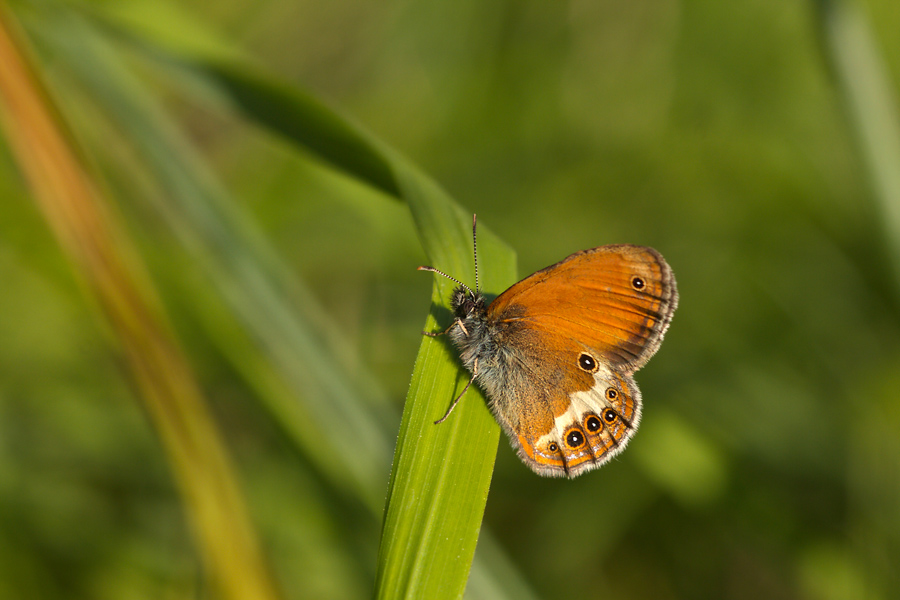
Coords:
561,418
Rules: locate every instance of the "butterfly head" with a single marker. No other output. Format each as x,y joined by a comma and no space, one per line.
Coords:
466,303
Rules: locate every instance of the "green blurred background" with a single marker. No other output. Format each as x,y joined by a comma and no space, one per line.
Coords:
728,135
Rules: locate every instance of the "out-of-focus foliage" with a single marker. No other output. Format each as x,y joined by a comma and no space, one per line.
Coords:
721,133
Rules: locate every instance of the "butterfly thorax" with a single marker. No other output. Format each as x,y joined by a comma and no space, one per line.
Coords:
477,336
472,334
489,348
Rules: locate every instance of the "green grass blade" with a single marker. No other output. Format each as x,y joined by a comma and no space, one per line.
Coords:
304,120
872,108
282,108
441,474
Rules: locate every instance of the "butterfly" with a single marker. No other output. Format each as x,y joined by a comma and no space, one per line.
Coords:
556,352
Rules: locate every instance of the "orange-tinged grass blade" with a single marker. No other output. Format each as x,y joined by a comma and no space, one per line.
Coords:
89,233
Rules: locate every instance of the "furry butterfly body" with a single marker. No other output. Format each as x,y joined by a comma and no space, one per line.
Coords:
555,353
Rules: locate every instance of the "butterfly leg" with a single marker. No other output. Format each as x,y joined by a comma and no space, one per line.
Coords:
452,325
463,393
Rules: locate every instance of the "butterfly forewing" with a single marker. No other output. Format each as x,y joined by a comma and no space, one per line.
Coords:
617,300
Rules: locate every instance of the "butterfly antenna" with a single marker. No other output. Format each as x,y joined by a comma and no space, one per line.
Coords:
433,270
475,247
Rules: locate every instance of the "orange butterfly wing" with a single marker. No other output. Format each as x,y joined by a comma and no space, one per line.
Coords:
617,298
577,330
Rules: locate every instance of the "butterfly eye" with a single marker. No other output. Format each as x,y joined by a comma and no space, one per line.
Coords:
552,447
592,423
612,393
587,363
610,416
574,438
637,283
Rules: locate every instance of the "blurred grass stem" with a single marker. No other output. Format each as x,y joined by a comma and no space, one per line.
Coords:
862,77
73,204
